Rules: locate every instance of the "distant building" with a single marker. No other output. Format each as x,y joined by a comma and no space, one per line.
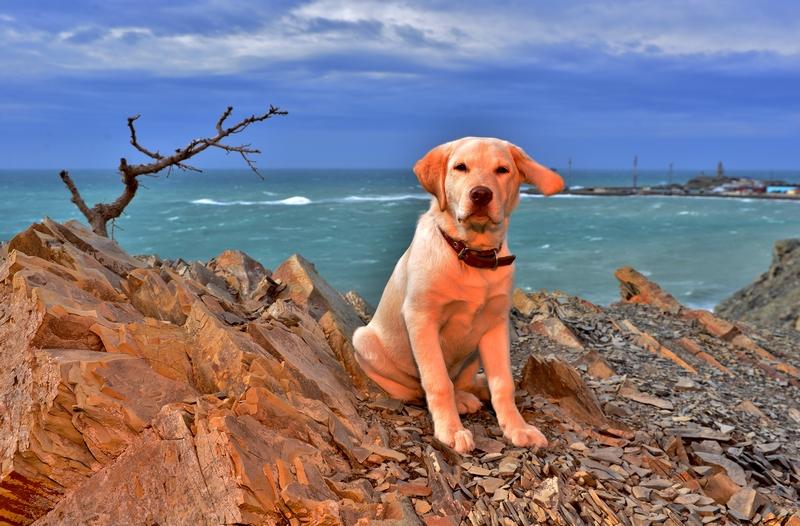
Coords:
791,190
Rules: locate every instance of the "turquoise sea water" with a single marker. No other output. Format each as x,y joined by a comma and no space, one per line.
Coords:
354,225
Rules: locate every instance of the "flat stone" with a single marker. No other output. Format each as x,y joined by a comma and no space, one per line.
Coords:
746,501
478,471
734,470
491,484
508,467
641,493
712,446
704,433
656,483
702,471
555,330
500,495
611,455
726,429
685,384
636,396
720,487
387,453
769,448
689,498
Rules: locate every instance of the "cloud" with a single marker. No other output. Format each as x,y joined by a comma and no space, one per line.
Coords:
210,38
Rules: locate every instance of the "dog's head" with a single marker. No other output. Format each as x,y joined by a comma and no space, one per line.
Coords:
476,180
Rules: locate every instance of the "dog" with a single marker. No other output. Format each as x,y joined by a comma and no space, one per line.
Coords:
445,311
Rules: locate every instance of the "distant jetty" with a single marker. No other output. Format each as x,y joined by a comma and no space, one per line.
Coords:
700,186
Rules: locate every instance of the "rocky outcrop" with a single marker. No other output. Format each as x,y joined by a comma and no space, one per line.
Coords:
140,391
774,297
183,390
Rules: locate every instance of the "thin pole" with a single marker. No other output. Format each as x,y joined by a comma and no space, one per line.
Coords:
635,161
569,173
670,172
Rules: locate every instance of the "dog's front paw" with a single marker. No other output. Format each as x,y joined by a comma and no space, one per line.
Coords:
459,439
467,402
526,436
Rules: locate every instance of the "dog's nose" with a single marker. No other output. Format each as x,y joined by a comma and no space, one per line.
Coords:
480,195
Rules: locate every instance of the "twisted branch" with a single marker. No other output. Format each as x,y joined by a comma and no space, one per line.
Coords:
100,214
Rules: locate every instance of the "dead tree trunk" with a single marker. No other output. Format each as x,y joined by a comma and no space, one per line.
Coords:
100,214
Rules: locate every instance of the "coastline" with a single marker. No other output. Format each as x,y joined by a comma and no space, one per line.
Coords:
623,191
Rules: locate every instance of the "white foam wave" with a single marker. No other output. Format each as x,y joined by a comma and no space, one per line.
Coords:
296,200
382,198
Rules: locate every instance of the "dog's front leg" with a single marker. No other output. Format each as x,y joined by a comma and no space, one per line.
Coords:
423,332
496,360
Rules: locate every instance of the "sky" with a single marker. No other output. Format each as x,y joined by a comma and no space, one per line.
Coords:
376,84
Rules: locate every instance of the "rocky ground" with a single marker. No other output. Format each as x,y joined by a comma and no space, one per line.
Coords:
774,297
141,391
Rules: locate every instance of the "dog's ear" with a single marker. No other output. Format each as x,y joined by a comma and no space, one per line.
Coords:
431,171
534,173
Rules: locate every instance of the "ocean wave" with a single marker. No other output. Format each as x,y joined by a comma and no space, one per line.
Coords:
382,198
296,200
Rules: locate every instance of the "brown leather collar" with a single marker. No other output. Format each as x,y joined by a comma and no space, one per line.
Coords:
478,258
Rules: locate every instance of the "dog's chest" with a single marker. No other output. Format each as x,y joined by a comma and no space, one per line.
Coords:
472,307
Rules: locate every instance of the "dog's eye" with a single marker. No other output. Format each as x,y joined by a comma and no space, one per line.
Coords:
502,170
461,167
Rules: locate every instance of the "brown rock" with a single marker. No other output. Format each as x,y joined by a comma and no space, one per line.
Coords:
364,310
240,272
555,329
631,393
154,298
88,408
320,375
146,478
746,501
733,470
163,345
635,288
523,303
720,487
555,379
217,353
596,366
749,407
307,289
718,327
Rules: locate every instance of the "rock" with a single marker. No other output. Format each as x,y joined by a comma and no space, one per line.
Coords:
685,384
240,272
364,310
157,392
595,365
773,298
635,288
555,329
749,407
631,393
523,303
733,470
558,380
491,484
548,494
307,289
146,478
720,487
746,501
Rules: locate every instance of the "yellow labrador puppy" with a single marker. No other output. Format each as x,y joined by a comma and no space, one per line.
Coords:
444,312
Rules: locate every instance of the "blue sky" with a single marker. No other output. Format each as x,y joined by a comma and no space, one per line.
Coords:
376,84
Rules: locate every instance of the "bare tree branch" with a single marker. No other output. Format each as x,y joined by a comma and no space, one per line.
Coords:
100,214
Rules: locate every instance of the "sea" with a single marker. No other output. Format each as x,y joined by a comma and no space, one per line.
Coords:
355,224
